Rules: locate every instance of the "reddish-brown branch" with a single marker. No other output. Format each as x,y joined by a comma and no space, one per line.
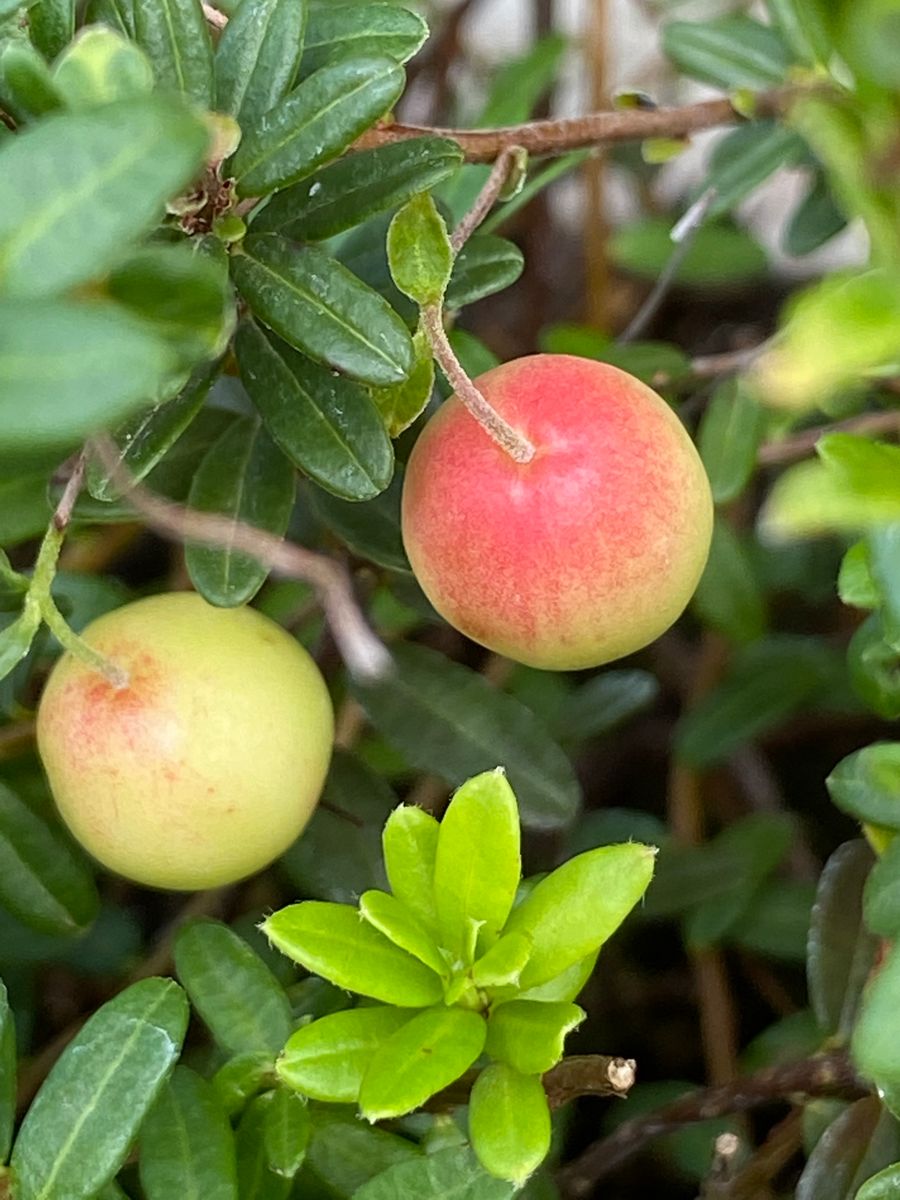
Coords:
801,445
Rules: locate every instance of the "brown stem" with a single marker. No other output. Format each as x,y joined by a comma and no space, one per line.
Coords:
63,513
487,197
588,1075
801,445
829,1074
514,443
365,655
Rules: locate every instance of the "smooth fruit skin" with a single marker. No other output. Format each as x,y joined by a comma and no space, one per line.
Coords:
580,556
208,764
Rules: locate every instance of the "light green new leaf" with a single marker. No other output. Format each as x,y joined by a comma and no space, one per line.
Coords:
855,584
576,908
187,1147
874,1045
529,1035
99,67
328,1058
175,37
333,941
503,964
401,403
257,57
728,438
245,477
316,122
256,1179
79,186
339,31
391,917
409,842
321,308
78,1131
346,192
451,1174
16,638
419,251
509,1122
324,423
429,1053
478,863
231,988
7,1074
44,881
286,1134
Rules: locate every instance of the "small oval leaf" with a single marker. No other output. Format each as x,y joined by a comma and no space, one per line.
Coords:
509,1122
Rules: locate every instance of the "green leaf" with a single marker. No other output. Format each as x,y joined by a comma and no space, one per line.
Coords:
339,31
401,403
117,14
840,951
325,424
13,585
426,1055
175,37
576,908
257,58
99,67
370,530
328,1058
728,52
881,898
718,254
51,25
419,252
245,477
861,1140
128,161
503,964
883,1186
728,439
232,989
16,639
287,1133
509,1122
333,941
316,122
7,1074
392,918
26,87
866,784
355,187
604,702
873,659
802,26
486,264
478,863
451,1174
241,1078
187,1147
442,716
321,308
815,220
345,1153
43,880
142,442
410,842
884,543
530,1036
338,855
728,597
256,1180
82,1122
855,583
747,157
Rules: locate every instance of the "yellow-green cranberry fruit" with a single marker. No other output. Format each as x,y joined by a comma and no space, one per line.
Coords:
208,763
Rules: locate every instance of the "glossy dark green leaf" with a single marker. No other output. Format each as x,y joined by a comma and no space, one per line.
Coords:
338,855
129,161
776,921
424,1056
419,252
530,1036
604,702
68,369
287,1132
410,842
16,638
117,14
729,52
43,880
486,264
339,31
51,25
728,438
324,423
883,1186
244,477
331,940
187,1147
355,187
881,899
257,58
815,220
232,989
82,1122
321,308
442,716
729,597
175,37
747,157
328,1058
370,530
101,66
861,1141
316,122
451,1174
26,86
345,1153
7,1074
873,661
256,1179
509,1122
840,950
147,438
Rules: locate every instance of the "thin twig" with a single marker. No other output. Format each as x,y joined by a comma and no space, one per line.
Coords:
801,445
588,1075
830,1074
487,197
365,655
63,513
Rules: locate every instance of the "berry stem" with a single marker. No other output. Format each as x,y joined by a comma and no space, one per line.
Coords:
516,445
